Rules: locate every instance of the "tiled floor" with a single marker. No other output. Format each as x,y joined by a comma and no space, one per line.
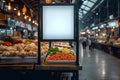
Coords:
98,65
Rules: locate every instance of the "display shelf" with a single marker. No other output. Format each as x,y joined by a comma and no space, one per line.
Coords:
14,50
16,66
58,67
13,60
30,66
110,49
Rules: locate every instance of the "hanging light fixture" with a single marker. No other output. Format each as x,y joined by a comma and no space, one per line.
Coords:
33,21
18,13
37,24
24,10
9,6
25,17
12,0
3,1
29,18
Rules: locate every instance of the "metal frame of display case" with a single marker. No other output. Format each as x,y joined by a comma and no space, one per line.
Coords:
40,32
76,28
74,69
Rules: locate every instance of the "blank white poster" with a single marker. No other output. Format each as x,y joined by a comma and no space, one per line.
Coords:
58,22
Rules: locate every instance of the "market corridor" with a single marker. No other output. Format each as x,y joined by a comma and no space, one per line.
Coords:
98,65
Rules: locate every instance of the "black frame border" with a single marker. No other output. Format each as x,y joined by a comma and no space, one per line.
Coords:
42,22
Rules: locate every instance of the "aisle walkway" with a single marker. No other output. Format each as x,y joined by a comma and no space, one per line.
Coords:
98,65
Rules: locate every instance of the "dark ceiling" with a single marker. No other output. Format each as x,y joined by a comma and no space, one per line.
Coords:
32,4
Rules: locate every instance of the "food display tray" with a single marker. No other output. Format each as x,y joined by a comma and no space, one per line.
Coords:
18,60
60,61
18,57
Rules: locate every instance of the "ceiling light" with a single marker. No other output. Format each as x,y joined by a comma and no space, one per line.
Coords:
29,19
96,13
24,10
3,1
14,9
23,13
33,21
25,17
9,6
18,13
12,0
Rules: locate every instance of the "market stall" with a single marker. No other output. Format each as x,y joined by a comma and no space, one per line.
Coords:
108,39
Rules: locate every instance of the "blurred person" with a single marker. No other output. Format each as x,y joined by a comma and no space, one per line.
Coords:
88,43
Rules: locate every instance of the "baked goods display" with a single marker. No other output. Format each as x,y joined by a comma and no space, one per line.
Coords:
20,48
24,48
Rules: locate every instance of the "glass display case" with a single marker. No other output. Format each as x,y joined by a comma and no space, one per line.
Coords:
14,48
60,34
58,53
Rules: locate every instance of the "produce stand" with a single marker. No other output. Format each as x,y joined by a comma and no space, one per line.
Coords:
60,66
110,49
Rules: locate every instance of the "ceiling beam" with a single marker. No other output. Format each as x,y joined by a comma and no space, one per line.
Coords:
91,1
86,5
84,9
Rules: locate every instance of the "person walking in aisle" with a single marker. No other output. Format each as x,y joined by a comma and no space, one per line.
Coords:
88,44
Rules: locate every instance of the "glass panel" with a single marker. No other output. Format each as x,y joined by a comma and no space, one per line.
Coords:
84,11
93,0
80,10
90,3
58,53
80,14
56,20
87,8
83,6
85,2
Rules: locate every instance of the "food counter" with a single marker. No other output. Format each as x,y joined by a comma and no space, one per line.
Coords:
14,50
24,51
56,57
40,57
109,48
